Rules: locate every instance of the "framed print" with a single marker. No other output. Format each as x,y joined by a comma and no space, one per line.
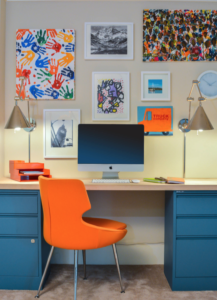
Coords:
61,133
155,86
46,58
179,35
110,96
157,120
108,40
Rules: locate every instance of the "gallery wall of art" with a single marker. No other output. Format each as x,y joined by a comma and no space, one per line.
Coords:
163,154
167,161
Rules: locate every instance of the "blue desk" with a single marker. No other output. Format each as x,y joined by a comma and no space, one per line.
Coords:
23,251
190,233
190,256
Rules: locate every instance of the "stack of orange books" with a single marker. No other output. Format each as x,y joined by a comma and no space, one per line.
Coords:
175,180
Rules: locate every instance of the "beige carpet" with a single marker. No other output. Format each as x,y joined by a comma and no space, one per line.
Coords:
141,283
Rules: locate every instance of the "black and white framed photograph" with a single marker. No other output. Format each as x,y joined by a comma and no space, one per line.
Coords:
61,133
155,86
108,40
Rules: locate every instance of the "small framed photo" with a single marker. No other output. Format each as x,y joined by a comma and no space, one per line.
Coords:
108,40
61,133
110,96
155,86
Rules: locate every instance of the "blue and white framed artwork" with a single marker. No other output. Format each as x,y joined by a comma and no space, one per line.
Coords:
155,86
157,120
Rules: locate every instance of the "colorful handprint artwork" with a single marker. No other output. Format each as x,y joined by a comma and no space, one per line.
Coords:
46,57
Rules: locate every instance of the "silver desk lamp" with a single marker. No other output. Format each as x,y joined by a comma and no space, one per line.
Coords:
199,121
17,119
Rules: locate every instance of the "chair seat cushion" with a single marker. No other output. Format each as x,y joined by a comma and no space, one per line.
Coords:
105,223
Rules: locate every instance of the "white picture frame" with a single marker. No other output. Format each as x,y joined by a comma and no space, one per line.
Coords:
155,86
60,133
101,48
112,90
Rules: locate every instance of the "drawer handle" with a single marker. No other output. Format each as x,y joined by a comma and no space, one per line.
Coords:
32,241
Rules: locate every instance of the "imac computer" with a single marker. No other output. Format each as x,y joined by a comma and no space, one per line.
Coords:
110,148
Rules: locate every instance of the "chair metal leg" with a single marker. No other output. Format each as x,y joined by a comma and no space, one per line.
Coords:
84,263
75,273
45,271
117,264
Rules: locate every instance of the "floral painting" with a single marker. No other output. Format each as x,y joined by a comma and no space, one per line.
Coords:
179,35
45,57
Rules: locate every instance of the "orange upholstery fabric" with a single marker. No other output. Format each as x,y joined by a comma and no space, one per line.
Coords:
64,201
105,223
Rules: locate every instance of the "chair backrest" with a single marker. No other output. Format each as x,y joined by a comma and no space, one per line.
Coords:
64,201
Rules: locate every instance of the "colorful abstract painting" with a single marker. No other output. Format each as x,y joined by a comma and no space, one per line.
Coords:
157,120
111,95
179,35
46,58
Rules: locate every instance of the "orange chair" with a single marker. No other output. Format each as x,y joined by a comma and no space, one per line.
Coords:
64,201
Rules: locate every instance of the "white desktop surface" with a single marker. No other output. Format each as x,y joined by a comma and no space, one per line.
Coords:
190,185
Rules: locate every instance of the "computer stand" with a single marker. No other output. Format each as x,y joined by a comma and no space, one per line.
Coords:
110,175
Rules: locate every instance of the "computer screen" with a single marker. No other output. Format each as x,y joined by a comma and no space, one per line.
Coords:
110,147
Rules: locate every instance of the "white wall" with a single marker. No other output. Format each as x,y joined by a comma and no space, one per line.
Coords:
2,83
143,212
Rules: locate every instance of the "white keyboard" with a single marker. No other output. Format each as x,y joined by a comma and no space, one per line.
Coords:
111,181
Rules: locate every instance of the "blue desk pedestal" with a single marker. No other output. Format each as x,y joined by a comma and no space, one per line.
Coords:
190,258
23,251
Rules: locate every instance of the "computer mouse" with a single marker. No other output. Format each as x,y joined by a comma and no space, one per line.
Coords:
135,180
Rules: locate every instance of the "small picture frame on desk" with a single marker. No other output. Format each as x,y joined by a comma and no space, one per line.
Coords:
155,86
61,133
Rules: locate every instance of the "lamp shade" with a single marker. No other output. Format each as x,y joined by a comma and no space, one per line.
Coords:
200,121
17,119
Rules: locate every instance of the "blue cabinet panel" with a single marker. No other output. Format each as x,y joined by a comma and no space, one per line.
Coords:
191,240
197,204
22,261
19,283
196,226
18,203
195,284
196,257
18,225
19,257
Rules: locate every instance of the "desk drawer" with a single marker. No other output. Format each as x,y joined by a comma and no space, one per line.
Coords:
196,204
196,226
18,203
19,257
18,225
196,257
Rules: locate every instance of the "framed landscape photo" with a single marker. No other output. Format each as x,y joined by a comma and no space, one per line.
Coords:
108,40
110,96
155,86
61,133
